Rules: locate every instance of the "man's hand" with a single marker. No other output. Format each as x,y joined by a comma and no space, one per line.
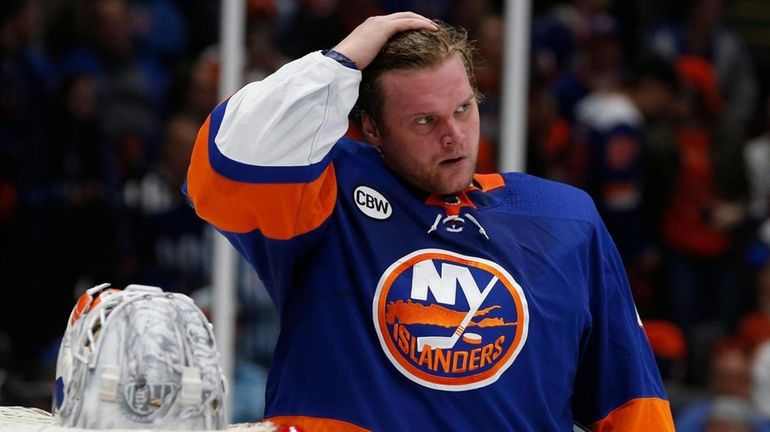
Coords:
366,40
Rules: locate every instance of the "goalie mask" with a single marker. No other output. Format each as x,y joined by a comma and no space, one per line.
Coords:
139,358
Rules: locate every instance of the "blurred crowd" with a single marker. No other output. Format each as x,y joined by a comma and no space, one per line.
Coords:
657,109
667,129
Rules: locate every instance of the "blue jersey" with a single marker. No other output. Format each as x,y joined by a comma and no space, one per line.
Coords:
502,307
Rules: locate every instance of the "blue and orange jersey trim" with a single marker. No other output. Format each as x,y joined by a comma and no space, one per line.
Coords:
638,415
279,211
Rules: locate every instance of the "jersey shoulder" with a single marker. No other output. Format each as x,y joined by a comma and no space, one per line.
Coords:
531,195
350,151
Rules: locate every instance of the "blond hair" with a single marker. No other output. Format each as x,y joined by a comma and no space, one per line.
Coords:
414,49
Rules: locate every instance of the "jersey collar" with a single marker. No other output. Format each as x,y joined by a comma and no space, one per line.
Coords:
476,194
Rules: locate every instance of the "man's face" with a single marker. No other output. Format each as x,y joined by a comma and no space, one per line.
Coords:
430,126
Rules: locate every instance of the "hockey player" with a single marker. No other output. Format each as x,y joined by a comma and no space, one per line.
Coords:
415,295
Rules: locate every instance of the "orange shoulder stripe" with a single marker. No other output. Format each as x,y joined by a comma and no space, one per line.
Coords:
638,415
279,211
316,424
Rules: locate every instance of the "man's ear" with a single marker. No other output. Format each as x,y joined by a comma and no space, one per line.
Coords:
369,127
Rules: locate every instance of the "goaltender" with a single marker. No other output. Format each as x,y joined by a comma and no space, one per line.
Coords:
414,294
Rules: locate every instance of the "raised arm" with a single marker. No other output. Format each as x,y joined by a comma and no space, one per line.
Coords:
262,166
281,130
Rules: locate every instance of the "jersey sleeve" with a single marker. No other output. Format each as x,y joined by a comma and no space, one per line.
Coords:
262,168
618,385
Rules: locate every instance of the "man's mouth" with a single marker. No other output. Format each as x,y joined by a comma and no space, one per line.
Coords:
452,161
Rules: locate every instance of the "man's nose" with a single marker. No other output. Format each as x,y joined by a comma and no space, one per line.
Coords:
452,133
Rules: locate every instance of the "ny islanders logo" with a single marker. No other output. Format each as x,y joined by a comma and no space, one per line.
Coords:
449,321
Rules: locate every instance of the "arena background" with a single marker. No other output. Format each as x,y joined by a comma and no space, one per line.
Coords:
100,101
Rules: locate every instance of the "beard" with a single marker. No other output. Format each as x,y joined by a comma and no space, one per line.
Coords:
441,178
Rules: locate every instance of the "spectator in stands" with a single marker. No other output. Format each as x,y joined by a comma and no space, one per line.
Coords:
26,93
173,250
77,165
26,89
262,55
706,206
670,348
731,414
609,150
553,45
159,28
702,34
315,25
132,86
549,141
597,66
489,79
760,385
754,328
729,375
197,88
757,160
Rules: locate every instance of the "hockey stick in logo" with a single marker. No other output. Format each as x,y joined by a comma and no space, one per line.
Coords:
448,342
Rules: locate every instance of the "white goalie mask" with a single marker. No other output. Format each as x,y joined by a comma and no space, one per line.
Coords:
138,358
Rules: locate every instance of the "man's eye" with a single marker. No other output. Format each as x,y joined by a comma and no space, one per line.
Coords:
424,120
463,108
